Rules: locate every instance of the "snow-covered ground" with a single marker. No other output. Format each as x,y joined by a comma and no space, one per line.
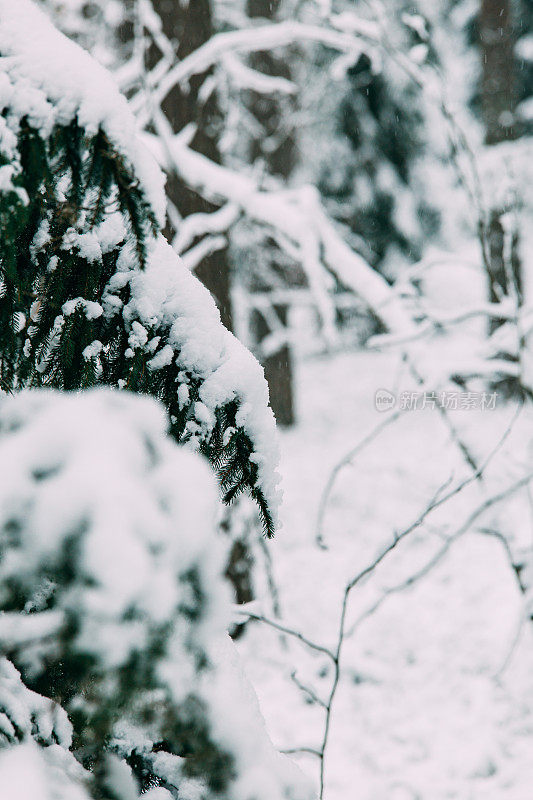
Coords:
424,709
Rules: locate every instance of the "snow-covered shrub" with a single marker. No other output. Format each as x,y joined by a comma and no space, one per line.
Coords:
114,608
90,292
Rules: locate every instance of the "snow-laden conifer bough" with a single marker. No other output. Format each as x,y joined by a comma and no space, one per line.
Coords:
90,292
116,671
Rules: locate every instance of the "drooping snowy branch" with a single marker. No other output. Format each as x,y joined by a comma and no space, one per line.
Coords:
262,37
95,290
298,216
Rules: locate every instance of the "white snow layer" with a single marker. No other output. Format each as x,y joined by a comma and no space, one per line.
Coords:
24,713
164,294
51,80
99,463
28,772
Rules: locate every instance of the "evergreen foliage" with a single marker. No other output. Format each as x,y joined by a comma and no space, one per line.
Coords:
113,608
78,228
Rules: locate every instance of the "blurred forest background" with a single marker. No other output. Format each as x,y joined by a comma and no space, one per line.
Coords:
382,127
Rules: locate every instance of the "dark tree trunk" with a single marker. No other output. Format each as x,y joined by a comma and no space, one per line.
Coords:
498,89
189,25
278,369
498,98
279,160
498,273
239,572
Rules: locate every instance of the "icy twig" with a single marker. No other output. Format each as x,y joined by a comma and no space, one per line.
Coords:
410,581
335,654
516,569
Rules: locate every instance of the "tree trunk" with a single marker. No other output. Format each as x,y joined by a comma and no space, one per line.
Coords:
278,369
498,98
189,25
279,160
498,87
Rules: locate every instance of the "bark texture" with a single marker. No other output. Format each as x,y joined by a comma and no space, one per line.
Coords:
276,148
189,25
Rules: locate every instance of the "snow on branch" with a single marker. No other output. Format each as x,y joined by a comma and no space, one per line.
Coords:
138,653
26,715
245,77
166,300
262,37
51,80
299,217
78,185
201,223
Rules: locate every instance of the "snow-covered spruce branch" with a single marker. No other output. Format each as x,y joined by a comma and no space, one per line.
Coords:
116,538
18,631
98,295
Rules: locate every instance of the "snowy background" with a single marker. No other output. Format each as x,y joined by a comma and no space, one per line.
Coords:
435,699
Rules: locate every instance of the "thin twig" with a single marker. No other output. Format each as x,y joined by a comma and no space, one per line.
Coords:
289,631
269,571
295,750
415,577
307,690
344,462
